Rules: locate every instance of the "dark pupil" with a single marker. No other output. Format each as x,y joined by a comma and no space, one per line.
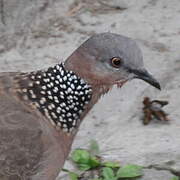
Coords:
116,62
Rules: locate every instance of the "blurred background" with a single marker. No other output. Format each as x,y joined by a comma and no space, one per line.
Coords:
35,34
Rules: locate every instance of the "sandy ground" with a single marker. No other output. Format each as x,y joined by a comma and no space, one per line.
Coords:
36,34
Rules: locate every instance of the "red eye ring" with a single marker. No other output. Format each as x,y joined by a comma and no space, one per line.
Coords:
116,62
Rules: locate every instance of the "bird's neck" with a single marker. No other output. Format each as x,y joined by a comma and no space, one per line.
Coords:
60,95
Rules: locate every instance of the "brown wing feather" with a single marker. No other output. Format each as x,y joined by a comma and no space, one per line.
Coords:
29,147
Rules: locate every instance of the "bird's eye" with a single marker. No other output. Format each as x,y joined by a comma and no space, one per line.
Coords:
116,62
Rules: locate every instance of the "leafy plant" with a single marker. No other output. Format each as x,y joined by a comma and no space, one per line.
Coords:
84,160
72,175
111,164
94,148
129,171
108,174
175,178
89,160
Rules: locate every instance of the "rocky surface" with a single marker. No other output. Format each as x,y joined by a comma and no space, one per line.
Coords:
38,33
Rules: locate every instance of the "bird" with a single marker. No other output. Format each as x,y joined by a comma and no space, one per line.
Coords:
41,111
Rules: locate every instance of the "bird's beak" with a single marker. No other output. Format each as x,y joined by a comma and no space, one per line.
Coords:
144,75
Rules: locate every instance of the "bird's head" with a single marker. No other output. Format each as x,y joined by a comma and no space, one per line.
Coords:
107,59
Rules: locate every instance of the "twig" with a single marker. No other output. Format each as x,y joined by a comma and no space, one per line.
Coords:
2,12
74,10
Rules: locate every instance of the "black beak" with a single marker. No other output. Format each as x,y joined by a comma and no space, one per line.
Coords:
144,75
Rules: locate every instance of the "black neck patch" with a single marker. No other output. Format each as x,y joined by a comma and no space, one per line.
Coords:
59,94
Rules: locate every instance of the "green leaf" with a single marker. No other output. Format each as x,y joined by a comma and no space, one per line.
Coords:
175,178
73,176
108,174
84,167
80,156
84,160
130,171
94,147
94,162
111,164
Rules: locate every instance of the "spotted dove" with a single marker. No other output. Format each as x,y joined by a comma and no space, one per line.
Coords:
40,111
